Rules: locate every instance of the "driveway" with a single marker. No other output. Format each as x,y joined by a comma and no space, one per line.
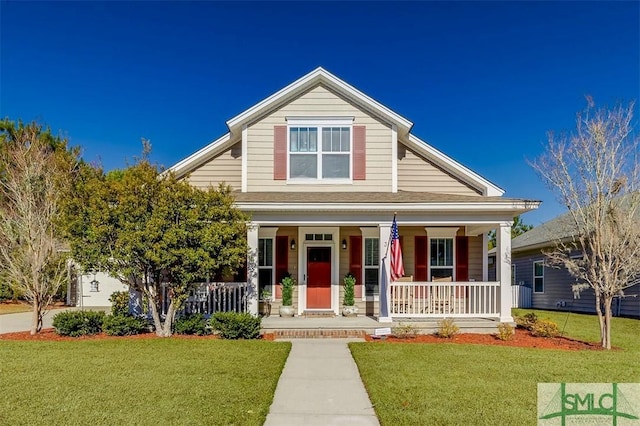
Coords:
11,323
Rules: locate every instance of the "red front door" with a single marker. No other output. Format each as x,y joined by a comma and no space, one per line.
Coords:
319,278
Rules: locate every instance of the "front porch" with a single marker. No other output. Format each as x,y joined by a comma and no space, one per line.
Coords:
446,268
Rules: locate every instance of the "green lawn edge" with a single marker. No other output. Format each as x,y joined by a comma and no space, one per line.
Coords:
453,384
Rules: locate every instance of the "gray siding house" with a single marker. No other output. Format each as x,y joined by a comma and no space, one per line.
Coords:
551,286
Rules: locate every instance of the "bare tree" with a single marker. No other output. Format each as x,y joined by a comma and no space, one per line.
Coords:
34,169
595,172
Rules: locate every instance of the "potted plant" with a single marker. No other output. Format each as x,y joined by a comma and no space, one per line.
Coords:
286,310
265,302
349,308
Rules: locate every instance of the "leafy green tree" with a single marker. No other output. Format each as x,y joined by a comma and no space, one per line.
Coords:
148,229
518,228
36,169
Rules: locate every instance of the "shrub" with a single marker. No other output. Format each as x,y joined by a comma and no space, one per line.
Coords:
287,290
232,325
545,328
119,303
505,331
405,331
349,289
526,321
447,328
78,323
124,325
191,324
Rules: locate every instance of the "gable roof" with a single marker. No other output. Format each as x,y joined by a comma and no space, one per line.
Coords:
541,236
562,227
320,76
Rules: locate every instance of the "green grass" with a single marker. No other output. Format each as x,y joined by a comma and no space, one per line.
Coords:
139,381
452,384
14,308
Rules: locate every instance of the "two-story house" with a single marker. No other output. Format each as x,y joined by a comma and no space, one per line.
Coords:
322,168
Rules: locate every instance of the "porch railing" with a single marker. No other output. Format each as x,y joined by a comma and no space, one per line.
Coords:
209,298
440,300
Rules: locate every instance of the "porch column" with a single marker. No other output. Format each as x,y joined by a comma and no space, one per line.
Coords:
503,269
385,272
252,269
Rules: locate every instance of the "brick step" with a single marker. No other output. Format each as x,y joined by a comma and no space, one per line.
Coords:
316,333
319,314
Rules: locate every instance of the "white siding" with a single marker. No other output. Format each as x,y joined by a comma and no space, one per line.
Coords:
417,174
226,167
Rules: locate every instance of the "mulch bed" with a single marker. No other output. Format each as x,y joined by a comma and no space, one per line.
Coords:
49,334
522,338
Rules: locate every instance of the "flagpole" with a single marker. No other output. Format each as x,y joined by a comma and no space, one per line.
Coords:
386,253
385,292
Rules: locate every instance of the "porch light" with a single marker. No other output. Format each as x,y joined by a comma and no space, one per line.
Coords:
344,244
293,244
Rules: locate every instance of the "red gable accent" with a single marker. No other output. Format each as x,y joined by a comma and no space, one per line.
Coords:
359,153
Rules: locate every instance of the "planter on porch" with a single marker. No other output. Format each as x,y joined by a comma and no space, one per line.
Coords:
286,310
349,309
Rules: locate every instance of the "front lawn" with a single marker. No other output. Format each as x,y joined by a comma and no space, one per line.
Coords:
453,384
14,307
145,381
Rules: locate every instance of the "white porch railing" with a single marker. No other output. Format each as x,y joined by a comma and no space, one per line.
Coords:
448,299
213,297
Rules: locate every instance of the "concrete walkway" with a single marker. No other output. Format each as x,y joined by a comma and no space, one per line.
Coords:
320,385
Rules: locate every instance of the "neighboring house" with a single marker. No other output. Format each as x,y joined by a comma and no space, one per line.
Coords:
93,290
552,287
321,168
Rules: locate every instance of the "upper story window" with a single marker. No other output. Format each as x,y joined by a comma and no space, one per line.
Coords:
320,152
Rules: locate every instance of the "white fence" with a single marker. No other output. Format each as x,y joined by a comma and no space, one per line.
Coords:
520,296
450,299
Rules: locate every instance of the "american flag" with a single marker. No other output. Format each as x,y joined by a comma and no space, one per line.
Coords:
397,266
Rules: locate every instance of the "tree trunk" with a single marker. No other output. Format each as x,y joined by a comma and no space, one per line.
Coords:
606,338
168,321
36,317
600,318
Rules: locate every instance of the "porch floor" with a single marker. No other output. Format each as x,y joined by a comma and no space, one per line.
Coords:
339,326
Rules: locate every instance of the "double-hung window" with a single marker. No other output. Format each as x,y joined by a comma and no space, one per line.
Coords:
441,261
538,277
265,264
320,152
371,265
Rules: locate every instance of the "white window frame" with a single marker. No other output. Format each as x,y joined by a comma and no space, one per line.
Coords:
453,257
269,234
319,124
541,262
368,234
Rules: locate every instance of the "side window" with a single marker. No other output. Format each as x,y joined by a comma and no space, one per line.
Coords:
538,277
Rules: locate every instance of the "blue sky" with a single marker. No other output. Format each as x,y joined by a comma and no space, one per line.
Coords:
482,81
